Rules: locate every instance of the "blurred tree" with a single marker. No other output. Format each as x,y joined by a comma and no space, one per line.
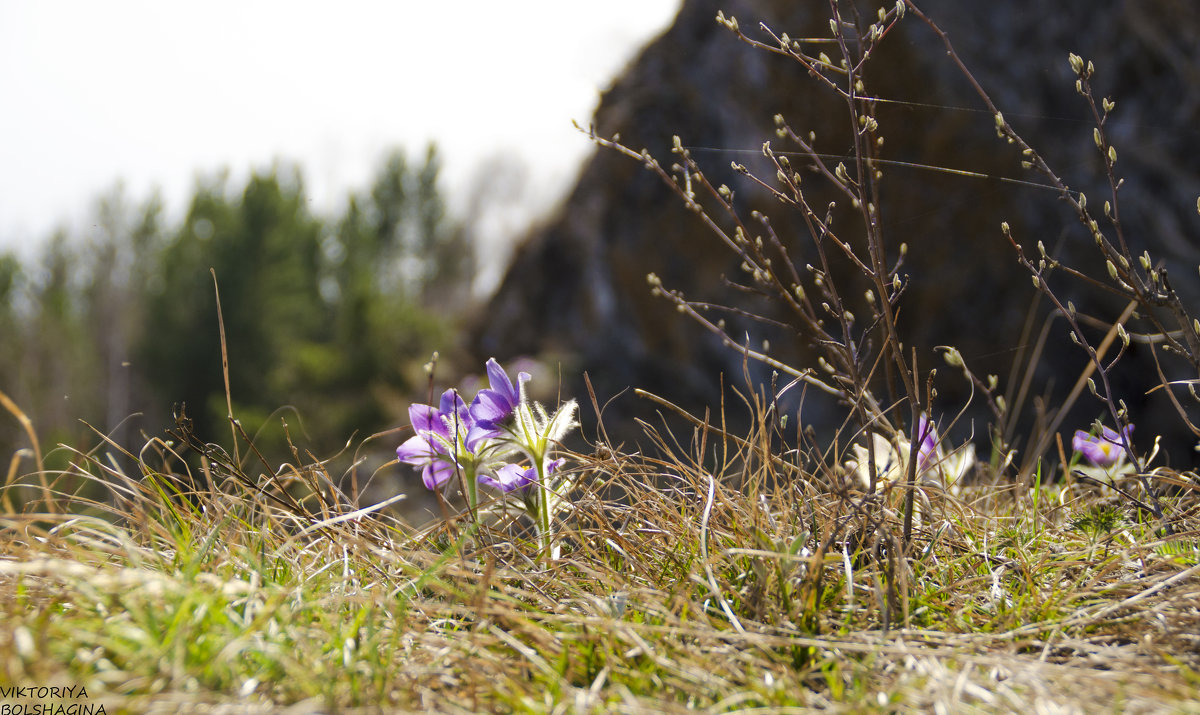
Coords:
11,334
399,278
326,318
264,248
10,278
55,360
447,259
331,317
119,249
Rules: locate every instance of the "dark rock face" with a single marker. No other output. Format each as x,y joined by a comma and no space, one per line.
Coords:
577,286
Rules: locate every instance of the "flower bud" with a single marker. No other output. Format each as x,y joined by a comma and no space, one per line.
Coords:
1112,270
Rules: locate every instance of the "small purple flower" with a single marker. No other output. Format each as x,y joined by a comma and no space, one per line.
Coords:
491,407
1105,450
434,446
511,478
926,444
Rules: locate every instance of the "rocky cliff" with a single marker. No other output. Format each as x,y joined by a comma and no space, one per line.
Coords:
577,286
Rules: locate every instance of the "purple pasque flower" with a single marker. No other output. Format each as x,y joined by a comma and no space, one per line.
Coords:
1104,450
439,444
926,444
511,477
492,406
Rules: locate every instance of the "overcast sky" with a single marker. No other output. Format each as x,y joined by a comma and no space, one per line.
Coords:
155,92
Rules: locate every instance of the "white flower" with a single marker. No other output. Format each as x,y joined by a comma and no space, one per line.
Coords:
890,460
934,466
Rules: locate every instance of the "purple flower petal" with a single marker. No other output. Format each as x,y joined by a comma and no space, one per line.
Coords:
927,444
509,478
416,451
490,407
424,418
437,473
479,432
452,407
1105,450
499,381
494,405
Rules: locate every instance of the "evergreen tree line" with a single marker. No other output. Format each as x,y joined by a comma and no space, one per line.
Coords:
327,319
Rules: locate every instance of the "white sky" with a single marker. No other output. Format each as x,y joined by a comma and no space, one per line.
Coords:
156,92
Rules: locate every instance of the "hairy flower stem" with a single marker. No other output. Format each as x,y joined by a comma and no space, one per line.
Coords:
470,487
545,538
472,491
